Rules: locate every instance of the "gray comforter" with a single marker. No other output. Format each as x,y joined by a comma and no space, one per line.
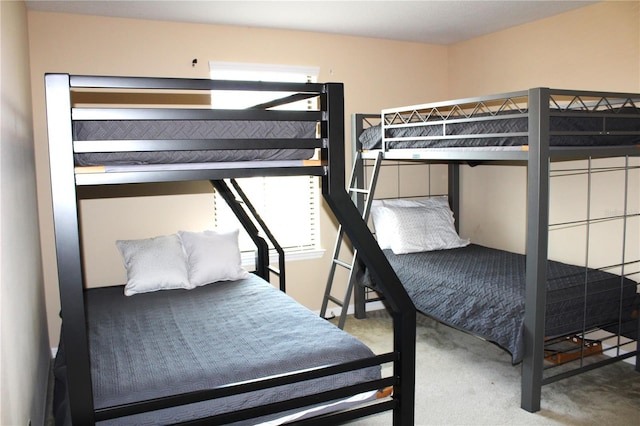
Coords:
174,341
482,291
191,130
509,129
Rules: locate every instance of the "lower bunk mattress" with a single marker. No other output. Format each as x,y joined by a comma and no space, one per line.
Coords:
482,290
168,342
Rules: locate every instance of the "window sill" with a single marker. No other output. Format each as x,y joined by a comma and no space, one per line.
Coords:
248,258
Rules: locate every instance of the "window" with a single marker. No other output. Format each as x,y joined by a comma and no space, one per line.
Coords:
288,205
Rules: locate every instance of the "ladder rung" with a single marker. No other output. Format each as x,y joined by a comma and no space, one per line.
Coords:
343,264
335,300
360,190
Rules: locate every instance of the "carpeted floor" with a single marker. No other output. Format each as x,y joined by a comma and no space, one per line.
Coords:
463,380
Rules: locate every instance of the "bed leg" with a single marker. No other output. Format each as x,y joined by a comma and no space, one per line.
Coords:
536,249
638,345
531,388
359,302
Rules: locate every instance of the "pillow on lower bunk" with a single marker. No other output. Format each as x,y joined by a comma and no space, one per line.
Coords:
154,264
383,230
212,256
418,229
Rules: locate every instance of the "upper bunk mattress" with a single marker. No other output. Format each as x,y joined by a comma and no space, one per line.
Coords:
509,129
173,341
110,130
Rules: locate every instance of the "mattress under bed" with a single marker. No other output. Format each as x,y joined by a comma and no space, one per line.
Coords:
482,290
508,129
190,130
167,342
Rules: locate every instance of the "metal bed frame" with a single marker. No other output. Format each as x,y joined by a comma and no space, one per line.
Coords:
538,105
61,112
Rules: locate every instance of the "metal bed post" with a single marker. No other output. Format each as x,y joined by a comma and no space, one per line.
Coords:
536,248
453,182
359,297
403,310
638,346
67,233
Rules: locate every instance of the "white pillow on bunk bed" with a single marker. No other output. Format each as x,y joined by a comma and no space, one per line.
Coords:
154,264
428,226
383,230
212,256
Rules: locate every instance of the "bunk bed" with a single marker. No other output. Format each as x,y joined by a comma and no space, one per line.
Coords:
542,311
236,350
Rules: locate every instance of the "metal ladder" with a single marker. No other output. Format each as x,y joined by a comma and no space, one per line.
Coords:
363,199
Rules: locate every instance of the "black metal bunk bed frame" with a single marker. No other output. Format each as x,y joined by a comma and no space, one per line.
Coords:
537,156
61,112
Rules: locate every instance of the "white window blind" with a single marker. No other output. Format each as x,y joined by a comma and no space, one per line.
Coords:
288,205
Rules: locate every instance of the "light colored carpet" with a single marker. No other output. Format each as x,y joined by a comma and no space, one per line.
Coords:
463,380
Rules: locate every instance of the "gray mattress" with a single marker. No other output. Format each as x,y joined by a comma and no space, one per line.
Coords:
506,123
482,291
190,130
168,342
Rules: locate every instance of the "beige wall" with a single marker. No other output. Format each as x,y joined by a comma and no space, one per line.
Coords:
24,350
592,48
376,74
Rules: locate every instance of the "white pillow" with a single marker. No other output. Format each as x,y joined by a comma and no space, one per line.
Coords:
212,256
418,229
154,264
384,233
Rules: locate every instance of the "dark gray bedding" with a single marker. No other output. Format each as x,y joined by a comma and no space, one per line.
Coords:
168,342
190,130
482,290
501,130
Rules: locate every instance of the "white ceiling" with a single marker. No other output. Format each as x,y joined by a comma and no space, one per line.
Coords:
428,21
